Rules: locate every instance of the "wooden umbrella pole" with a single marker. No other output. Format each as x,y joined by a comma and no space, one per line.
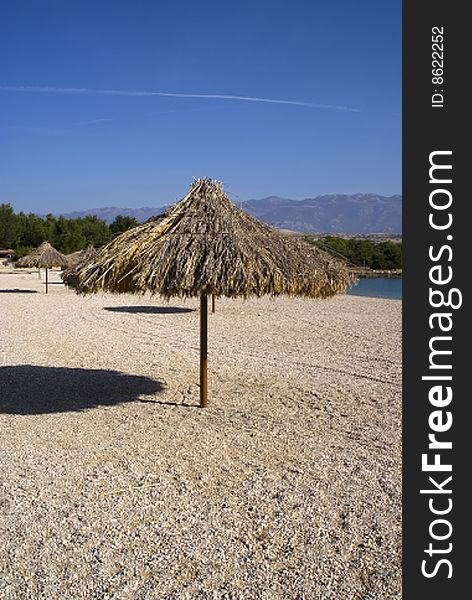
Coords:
213,303
39,272
203,350
46,280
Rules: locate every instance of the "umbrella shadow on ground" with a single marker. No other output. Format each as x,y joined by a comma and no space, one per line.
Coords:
156,310
17,291
33,390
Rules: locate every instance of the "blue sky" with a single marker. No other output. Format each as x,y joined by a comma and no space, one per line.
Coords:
71,150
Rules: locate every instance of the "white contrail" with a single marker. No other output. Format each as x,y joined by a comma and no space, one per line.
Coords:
60,90
94,121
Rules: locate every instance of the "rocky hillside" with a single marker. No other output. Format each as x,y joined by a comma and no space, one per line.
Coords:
333,213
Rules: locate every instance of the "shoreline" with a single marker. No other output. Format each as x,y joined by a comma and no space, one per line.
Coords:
374,273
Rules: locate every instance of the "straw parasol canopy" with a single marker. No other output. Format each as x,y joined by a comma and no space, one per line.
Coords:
81,256
76,261
46,257
205,245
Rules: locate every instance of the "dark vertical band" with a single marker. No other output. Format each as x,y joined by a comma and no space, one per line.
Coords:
436,204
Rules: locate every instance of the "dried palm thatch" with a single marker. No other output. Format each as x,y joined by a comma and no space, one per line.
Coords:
25,260
46,257
77,260
81,256
205,245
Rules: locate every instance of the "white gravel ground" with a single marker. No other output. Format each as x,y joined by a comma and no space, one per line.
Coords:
114,484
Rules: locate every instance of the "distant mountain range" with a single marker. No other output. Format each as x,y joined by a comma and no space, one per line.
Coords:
109,213
333,213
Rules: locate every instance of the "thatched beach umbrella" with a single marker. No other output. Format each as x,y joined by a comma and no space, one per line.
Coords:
76,261
205,245
46,257
81,256
24,261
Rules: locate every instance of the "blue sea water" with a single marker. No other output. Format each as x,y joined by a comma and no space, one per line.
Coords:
378,287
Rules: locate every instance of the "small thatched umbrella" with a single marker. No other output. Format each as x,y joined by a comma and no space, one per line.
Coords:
81,256
46,257
76,261
24,261
205,245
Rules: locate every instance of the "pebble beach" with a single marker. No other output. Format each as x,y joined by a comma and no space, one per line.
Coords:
114,484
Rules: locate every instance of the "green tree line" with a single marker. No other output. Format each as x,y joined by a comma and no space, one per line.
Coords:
363,253
23,232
